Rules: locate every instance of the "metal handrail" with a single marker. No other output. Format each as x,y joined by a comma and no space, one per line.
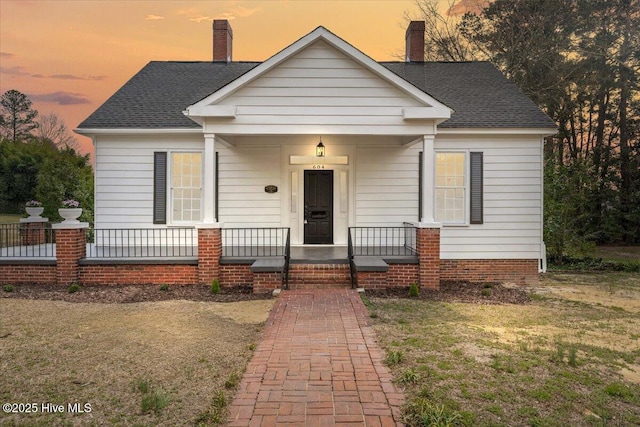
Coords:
142,242
352,266
254,242
287,257
27,240
383,241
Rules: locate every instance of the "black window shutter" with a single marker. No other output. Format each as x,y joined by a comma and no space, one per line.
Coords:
420,172
216,189
160,188
476,171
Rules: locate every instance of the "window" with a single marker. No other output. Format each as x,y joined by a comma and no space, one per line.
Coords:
186,187
451,188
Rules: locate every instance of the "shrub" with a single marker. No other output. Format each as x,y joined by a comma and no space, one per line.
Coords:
74,288
155,401
421,412
619,390
215,286
232,381
142,386
414,290
394,357
164,287
8,288
410,376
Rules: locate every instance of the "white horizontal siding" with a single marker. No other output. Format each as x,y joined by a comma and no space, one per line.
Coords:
386,185
124,177
243,172
319,86
512,225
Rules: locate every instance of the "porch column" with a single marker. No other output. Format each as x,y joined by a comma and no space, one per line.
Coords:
209,182
428,184
428,232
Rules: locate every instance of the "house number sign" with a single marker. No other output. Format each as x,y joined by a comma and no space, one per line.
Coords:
318,166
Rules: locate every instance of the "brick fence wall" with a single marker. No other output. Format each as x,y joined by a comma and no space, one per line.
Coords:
17,274
519,271
138,274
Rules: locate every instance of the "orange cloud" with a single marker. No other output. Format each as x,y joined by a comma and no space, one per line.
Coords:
471,6
154,17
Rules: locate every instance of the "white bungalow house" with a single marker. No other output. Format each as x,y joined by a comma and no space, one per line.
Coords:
319,138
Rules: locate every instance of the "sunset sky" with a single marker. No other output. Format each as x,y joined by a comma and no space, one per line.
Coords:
70,56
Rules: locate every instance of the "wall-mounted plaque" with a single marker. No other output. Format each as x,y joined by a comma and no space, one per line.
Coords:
271,189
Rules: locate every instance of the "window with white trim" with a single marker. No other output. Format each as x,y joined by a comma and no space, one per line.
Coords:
451,188
186,186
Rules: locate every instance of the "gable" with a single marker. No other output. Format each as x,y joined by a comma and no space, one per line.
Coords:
320,79
323,83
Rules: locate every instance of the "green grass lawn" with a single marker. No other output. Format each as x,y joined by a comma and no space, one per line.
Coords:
571,357
9,218
618,253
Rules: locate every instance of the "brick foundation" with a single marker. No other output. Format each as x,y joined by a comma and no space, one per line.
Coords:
519,271
372,279
16,274
138,274
402,275
266,282
235,275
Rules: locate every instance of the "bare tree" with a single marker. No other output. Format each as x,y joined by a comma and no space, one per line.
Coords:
51,128
444,38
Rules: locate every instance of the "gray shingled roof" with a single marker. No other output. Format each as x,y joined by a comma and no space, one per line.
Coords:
155,97
478,92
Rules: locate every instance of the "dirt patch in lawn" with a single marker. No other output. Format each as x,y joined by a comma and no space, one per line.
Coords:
132,293
176,357
477,293
620,291
570,356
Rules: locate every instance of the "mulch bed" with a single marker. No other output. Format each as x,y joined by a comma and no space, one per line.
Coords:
131,293
477,293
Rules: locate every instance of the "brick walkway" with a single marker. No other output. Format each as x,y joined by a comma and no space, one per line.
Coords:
317,365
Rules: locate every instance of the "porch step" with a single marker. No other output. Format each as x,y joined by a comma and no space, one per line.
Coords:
314,276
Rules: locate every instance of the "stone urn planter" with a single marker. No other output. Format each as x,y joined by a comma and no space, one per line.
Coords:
34,211
70,215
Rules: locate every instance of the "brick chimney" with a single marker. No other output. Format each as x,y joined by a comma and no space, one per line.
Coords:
414,37
222,41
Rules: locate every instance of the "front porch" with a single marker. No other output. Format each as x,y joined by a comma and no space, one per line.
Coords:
261,258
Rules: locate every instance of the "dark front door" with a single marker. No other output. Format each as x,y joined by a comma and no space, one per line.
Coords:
318,207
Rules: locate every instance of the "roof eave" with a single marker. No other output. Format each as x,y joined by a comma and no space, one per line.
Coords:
134,131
